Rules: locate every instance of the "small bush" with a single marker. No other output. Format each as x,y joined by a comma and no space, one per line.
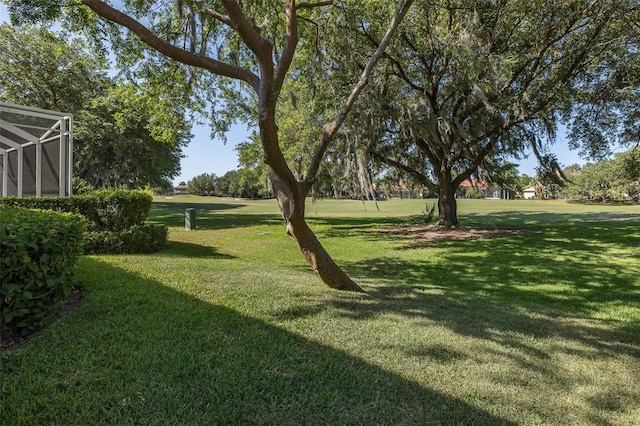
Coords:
118,209
58,204
474,193
428,214
39,251
136,239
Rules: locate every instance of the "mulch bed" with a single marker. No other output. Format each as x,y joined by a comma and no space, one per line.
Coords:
10,339
428,234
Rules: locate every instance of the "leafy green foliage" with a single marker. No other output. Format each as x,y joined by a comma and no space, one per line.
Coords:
25,11
104,209
135,239
115,217
609,179
474,193
203,184
40,250
40,69
125,134
119,209
130,137
243,183
607,113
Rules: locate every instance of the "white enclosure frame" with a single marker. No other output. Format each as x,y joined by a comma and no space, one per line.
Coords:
36,151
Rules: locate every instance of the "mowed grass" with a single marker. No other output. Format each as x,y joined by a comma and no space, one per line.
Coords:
230,326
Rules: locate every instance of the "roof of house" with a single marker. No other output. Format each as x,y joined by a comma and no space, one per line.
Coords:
467,184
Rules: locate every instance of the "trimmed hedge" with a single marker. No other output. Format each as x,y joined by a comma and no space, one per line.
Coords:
137,239
115,219
118,209
39,251
104,209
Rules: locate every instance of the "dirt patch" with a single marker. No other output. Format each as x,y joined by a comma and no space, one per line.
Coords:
419,235
12,340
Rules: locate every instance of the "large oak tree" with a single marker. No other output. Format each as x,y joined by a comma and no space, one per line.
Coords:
471,81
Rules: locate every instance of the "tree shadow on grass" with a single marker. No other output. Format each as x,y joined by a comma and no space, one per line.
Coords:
534,329
556,269
212,219
138,352
551,218
179,249
208,215
172,214
535,285
586,222
478,305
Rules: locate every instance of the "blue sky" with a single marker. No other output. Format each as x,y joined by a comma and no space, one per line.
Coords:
206,155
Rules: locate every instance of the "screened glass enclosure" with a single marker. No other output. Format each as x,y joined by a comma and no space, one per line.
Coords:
36,152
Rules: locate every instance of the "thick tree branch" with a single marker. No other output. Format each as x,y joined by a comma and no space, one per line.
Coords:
167,49
418,176
245,29
475,163
290,44
315,4
419,53
431,154
219,16
400,69
329,130
530,67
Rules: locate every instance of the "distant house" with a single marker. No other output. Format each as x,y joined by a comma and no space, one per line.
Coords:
180,189
488,191
401,190
529,193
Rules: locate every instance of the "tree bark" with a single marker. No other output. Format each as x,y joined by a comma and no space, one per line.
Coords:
321,262
447,205
292,208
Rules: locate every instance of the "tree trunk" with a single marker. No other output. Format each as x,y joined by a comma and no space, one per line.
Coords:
291,196
447,205
328,271
292,208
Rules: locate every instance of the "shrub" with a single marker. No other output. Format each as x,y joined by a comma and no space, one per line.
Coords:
136,239
474,193
39,251
428,214
118,209
59,204
115,219
104,209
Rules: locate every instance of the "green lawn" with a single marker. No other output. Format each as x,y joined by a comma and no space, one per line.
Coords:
230,326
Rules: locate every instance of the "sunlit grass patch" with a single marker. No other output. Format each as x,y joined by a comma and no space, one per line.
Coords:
230,326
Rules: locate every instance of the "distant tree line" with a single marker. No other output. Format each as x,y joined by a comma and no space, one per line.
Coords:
241,183
617,178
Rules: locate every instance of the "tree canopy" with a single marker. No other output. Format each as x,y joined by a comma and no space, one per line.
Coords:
123,135
469,83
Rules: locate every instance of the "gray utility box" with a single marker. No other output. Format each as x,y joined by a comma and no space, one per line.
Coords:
190,219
